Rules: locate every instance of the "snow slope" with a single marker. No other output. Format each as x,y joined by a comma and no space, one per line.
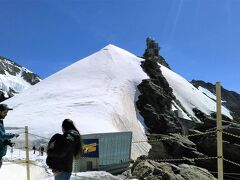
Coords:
189,96
98,93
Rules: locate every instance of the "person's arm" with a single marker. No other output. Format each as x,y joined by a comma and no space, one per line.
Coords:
6,136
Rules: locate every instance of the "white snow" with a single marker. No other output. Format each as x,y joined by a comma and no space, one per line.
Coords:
207,92
189,96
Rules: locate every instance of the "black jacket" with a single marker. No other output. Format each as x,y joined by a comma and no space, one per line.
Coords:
61,151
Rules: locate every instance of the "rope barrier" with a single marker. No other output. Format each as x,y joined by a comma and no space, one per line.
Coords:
13,162
231,162
119,159
169,138
236,136
183,159
237,174
39,136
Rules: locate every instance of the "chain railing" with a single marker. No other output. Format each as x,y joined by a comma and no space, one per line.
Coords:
22,161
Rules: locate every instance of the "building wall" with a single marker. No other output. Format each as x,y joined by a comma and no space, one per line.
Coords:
85,164
113,149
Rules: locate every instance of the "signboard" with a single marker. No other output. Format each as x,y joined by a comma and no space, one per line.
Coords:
90,148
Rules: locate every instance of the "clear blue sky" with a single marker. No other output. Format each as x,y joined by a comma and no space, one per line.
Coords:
200,39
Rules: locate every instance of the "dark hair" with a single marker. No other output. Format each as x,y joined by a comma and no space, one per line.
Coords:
67,125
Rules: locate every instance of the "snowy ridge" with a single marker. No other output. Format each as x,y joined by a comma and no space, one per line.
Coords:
189,96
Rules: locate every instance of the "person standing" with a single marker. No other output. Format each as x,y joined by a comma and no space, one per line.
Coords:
61,150
39,149
34,149
42,150
4,137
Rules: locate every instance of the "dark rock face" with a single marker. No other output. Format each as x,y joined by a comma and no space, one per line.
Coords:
151,170
231,98
207,144
9,67
177,147
154,103
30,77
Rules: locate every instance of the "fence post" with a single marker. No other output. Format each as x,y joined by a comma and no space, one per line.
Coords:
27,152
219,132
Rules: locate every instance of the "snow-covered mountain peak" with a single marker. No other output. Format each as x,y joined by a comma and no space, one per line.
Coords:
98,93
115,49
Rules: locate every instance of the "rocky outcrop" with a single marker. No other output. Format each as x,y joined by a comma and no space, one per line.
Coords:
151,170
154,103
175,146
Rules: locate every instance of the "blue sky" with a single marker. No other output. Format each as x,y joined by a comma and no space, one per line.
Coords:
200,39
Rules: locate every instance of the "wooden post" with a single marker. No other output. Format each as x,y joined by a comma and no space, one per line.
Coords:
219,132
27,152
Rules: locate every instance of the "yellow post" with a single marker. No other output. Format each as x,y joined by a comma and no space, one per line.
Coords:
27,153
219,132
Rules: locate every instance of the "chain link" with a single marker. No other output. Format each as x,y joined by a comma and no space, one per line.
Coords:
231,162
169,138
38,136
231,134
184,159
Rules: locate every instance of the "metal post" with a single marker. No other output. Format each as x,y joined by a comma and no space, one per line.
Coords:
219,132
27,152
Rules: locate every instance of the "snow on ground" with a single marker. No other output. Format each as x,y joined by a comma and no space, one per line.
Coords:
189,96
98,93
18,172
40,171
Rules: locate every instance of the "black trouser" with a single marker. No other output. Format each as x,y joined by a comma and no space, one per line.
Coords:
0,162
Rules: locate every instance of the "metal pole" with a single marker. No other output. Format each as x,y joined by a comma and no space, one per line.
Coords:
219,132
27,152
